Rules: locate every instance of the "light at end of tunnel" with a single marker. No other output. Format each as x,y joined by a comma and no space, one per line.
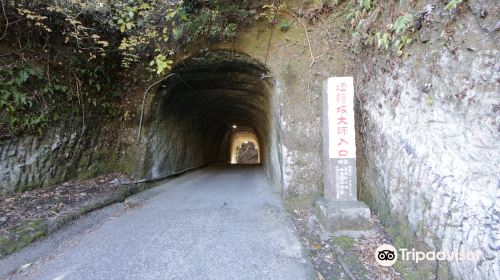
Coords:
235,126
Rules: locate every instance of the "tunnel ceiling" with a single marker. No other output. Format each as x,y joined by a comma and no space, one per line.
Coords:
220,87
206,96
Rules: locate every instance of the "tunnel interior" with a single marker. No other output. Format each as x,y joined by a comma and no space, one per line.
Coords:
244,146
212,106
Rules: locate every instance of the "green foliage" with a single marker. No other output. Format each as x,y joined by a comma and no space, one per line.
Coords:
397,33
357,13
215,20
329,2
135,20
367,5
396,37
18,98
401,43
284,26
402,23
152,28
132,28
383,40
271,11
126,14
31,99
69,50
136,29
162,64
452,4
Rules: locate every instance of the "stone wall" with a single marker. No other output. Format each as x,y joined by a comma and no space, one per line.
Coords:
63,152
295,162
430,128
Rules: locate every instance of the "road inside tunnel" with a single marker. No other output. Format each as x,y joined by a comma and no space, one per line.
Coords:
221,222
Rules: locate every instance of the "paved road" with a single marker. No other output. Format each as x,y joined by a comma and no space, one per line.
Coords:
217,223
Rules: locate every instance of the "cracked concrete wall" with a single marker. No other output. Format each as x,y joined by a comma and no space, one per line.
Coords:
431,128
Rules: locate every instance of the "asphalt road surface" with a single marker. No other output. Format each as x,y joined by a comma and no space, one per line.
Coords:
222,222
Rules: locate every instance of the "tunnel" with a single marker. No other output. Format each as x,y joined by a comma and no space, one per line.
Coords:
244,146
213,105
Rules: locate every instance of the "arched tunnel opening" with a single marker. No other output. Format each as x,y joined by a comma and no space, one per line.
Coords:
244,146
215,108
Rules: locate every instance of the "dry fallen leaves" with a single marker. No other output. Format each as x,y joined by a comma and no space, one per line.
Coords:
18,209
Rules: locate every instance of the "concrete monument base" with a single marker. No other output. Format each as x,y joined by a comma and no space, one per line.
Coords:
343,215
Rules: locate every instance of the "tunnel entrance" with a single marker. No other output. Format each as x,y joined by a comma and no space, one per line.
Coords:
216,107
244,146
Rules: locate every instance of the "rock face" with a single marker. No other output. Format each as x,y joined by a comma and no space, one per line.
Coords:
430,129
62,152
247,154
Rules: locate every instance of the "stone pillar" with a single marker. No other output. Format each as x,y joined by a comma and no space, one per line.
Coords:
340,209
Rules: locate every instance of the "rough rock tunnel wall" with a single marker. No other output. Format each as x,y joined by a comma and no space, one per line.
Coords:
63,152
193,113
430,129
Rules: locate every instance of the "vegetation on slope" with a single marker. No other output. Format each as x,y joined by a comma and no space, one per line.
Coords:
72,58
77,59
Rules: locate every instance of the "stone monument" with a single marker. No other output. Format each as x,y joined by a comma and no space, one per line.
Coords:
340,209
